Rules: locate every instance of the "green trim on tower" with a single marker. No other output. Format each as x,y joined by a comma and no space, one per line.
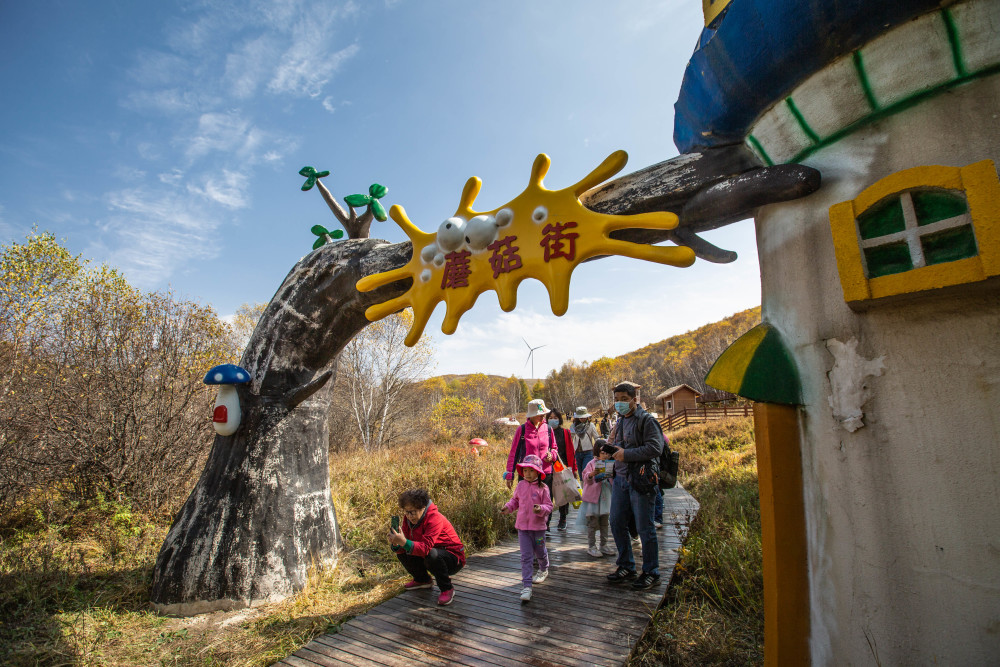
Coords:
801,120
955,41
758,366
885,112
866,85
761,153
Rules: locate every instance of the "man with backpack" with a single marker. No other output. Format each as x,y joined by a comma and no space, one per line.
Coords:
634,490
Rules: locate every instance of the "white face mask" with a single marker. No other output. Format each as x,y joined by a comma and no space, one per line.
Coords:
553,423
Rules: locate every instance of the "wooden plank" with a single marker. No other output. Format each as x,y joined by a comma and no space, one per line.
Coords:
376,649
390,647
429,640
488,626
520,636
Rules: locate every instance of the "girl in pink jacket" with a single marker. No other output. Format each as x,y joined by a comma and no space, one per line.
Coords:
597,501
533,504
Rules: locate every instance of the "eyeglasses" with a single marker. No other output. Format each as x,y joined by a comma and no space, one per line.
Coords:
413,512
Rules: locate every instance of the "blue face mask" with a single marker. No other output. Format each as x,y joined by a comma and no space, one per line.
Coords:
553,423
623,407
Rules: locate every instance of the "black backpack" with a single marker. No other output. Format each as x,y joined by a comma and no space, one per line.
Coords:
668,464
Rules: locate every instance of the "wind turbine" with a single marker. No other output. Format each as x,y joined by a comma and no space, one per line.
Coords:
531,356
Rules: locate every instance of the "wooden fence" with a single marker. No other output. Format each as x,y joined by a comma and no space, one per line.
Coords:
700,415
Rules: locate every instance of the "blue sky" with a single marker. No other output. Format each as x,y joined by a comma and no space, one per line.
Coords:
165,139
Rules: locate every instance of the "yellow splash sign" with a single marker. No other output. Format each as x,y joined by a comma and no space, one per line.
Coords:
542,234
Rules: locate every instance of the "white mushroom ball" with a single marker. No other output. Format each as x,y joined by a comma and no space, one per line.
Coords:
451,234
439,259
505,216
540,214
481,231
428,252
425,275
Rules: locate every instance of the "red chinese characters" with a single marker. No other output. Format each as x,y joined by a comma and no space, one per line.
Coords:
504,258
557,242
456,269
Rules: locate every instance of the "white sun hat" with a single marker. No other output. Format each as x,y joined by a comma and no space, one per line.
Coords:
581,413
537,407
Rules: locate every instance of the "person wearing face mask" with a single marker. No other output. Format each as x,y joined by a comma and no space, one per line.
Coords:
584,436
639,441
564,446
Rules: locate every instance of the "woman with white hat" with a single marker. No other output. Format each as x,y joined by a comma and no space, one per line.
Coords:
584,436
533,437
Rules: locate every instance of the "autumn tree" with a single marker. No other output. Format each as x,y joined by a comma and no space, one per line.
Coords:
103,388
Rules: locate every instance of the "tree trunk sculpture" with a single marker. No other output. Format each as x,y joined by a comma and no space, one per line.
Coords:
261,514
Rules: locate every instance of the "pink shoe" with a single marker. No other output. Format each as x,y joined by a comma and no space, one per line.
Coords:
446,597
414,585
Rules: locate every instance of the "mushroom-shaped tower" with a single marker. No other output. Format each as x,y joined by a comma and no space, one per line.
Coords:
226,415
875,371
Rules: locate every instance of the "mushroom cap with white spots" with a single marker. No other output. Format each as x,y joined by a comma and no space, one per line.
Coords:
451,234
227,374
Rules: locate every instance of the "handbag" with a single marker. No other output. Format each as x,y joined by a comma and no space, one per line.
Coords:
565,487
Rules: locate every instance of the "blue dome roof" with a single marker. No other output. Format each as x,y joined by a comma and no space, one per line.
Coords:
761,49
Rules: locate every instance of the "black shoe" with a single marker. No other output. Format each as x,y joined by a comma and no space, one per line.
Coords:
561,526
645,581
620,575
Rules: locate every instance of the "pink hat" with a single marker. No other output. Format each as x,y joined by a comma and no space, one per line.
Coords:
533,462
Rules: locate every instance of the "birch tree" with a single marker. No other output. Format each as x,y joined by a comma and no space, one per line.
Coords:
377,368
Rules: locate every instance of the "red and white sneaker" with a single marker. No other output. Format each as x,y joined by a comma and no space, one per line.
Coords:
446,597
414,585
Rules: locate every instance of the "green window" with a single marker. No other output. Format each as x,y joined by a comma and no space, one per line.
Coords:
916,228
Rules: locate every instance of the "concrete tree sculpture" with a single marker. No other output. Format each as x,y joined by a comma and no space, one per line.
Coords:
261,514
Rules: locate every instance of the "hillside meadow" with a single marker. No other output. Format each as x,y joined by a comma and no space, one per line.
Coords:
74,580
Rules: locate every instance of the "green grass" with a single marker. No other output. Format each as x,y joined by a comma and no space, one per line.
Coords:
714,611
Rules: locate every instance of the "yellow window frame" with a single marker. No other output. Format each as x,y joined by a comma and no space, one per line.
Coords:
981,186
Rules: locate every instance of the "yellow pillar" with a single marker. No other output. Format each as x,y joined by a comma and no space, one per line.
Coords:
783,534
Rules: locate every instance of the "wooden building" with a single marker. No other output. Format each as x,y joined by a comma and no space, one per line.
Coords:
676,399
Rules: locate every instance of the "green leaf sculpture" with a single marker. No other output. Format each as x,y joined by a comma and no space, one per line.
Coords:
311,176
375,192
325,236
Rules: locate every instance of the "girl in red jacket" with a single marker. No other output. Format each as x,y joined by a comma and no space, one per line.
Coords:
427,545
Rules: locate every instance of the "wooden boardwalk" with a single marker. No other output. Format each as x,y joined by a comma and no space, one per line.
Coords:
574,618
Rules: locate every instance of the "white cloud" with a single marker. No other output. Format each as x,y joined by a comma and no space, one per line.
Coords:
153,234
250,64
588,300
328,104
226,132
148,151
228,189
172,178
168,101
305,68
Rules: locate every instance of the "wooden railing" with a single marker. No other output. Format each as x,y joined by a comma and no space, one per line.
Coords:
689,416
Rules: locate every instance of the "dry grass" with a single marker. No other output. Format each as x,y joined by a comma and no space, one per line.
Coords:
74,582
713,614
